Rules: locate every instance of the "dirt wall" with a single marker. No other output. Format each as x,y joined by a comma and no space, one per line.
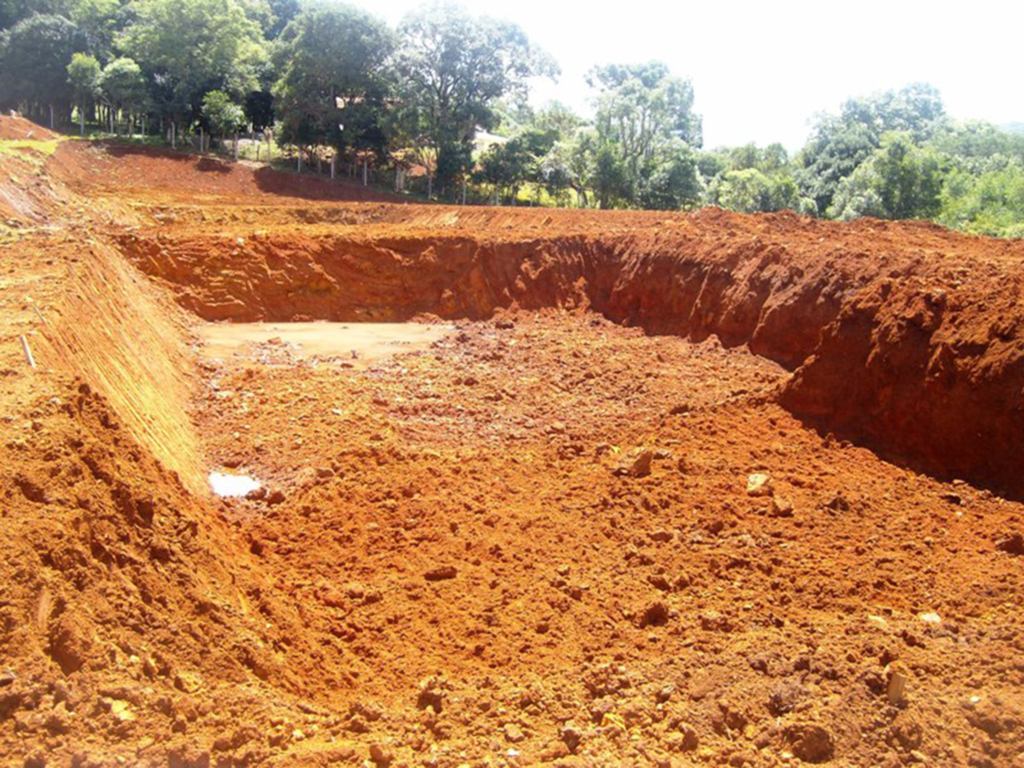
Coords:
901,336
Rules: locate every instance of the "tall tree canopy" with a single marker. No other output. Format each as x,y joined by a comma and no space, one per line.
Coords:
333,78
34,57
840,143
643,106
195,46
453,68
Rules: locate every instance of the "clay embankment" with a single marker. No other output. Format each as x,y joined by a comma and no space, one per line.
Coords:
901,336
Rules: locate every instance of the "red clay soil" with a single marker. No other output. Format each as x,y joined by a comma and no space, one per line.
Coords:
122,169
587,527
18,128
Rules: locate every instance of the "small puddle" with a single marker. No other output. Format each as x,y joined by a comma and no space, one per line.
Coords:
354,345
232,486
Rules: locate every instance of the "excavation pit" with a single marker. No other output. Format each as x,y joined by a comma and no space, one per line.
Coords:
533,531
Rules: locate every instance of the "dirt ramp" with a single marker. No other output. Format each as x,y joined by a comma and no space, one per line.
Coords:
113,329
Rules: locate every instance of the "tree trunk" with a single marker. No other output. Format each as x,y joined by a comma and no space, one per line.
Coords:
430,186
334,162
236,147
202,140
300,159
366,180
81,120
174,135
51,117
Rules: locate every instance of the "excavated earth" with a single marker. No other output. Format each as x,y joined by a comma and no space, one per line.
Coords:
534,538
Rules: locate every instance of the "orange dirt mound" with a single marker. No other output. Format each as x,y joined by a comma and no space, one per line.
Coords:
124,170
587,526
16,127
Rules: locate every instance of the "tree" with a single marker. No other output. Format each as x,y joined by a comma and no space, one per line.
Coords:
99,22
644,116
991,203
503,165
223,115
190,47
13,11
333,84
611,179
84,77
641,107
841,143
124,88
900,181
34,57
259,109
570,163
673,183
453,69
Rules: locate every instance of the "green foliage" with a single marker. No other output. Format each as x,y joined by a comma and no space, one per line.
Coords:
34,56
899,181
99,22
222,114
673,182
989,204
611,179
331,54
84,75
453,68
13,11
507,165
122,84
194,46
841,143
749,190
259,109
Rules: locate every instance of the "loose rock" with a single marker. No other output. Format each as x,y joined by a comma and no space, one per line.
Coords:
759,485
636,463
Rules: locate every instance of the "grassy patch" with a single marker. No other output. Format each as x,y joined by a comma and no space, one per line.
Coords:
20,146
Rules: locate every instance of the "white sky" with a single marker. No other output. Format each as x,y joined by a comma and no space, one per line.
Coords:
762,70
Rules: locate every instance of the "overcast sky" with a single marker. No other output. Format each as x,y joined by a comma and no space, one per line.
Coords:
762,70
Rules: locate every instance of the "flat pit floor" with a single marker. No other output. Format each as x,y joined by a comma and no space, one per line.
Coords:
354,344
467,525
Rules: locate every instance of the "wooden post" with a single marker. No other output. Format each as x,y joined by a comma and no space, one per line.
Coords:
334,162
236,147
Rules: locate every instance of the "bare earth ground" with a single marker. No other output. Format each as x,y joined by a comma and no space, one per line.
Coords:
534,536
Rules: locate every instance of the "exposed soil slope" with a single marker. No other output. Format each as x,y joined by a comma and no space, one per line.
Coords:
542,540
897,342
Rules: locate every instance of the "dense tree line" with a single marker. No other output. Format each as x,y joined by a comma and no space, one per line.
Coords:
439,104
